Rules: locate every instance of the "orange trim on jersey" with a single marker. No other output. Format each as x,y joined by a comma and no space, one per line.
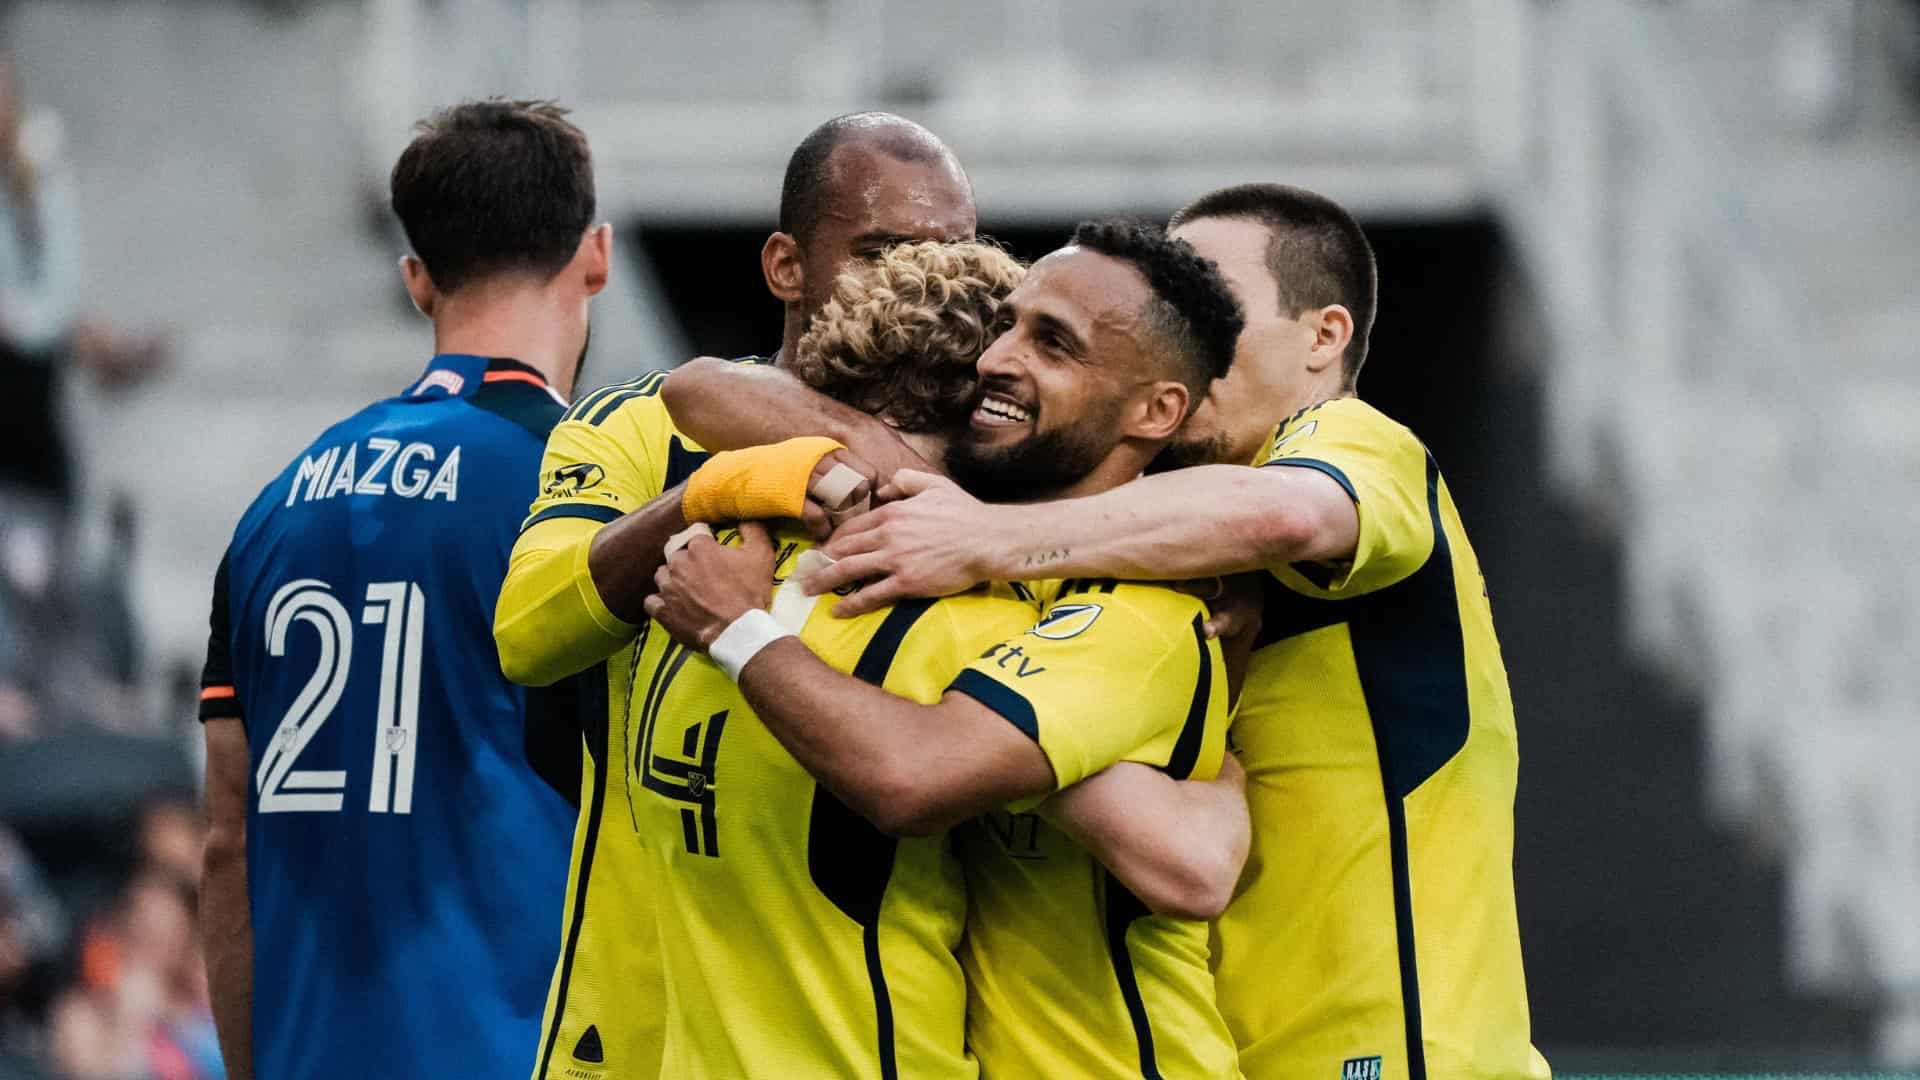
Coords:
514,376
208,693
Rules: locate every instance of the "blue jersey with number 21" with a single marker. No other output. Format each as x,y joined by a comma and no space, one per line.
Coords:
405,864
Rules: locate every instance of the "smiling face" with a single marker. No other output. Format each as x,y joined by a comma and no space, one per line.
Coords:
1062,385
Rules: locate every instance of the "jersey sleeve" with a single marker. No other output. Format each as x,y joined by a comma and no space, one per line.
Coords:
1116,672
605,458
218,697
1384,470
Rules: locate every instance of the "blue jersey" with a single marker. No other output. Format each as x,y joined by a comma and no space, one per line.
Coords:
406,867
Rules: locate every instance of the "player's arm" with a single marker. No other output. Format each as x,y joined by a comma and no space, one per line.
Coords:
909,768
1200,522
1178,845
226,921
580,572
726,405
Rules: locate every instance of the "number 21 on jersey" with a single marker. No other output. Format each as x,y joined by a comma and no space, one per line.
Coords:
401,608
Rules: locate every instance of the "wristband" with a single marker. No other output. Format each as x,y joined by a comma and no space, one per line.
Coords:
755,483
743,639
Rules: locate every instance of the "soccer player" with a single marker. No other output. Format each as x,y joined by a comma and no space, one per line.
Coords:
384,867
584,562
1374,933
1108,341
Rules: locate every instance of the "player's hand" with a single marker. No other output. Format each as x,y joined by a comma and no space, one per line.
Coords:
1234,615
927,541
821,519
887,454
704,586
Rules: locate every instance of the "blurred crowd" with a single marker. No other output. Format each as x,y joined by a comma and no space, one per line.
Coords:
100,969
121,993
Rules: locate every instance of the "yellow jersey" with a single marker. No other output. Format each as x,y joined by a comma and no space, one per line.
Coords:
797,939
614,450
1068,972
1373,935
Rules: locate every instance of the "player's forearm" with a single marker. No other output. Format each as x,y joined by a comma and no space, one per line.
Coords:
227,928
1178,845
728,406
627,553
1200,522
550,621
897,763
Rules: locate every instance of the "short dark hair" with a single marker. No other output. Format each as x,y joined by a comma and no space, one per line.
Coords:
1317,253
809,181
1191,305
493,186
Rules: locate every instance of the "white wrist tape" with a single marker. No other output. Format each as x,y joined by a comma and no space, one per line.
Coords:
743,639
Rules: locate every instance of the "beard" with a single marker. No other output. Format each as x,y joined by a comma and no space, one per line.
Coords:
1184,452
1036,467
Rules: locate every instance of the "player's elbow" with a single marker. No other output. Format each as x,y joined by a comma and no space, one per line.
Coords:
901,799
225,851
1199,887
521,658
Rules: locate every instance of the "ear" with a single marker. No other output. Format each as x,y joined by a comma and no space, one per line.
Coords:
1159,411
419,285
596,251
1332,328
780,264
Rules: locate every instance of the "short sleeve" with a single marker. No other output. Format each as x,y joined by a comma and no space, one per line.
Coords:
1387,474
218,697
1112,672
606,456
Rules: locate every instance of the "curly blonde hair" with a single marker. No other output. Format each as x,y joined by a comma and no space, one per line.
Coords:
901,334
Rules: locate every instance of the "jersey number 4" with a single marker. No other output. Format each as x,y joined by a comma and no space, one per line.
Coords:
402,608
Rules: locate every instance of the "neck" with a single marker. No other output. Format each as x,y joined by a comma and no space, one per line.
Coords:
1125,464
523,322
791,330
931,447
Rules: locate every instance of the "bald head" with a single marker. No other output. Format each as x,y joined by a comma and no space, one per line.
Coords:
819,168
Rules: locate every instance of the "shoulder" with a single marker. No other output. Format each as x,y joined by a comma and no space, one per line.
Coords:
530,409
624,403
1145,614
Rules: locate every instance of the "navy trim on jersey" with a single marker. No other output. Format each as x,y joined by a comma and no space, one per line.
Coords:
1123,909
1409,653
853,871
1318,466
590,511
681,463
1186,750
594,809
1001,698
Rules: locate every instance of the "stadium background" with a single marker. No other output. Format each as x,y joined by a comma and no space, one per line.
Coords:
1647,290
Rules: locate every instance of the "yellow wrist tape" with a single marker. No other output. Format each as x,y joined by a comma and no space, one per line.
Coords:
758,482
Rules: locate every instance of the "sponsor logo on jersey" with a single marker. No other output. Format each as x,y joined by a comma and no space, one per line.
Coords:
1066,621
1360,1068
412,471
570,480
